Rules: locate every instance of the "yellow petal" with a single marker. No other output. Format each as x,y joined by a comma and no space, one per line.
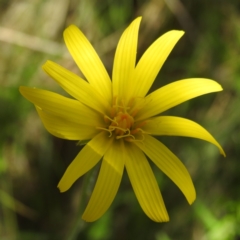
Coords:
76,87
176,126
66,129
88,61
169,164
152,61
144,184
125,59
175,93
107,183
63,107
88,157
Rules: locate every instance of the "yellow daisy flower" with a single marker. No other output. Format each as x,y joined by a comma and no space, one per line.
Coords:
116,119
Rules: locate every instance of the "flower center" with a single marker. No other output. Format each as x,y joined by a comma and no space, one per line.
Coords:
120,122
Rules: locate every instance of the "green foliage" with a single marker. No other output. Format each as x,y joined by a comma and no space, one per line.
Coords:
32,162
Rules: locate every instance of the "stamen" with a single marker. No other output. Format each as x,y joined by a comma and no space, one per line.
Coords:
135,130
140,130
122,129
112,112
105,129
120,120
111,120
126,135
121,106
135,140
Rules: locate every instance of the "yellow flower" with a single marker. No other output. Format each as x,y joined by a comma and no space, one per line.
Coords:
117,119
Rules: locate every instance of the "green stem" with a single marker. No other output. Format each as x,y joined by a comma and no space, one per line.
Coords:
86,189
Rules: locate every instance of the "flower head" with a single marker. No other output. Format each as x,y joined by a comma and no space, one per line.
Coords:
118,119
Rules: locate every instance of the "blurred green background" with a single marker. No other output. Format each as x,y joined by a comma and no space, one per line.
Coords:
32,161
